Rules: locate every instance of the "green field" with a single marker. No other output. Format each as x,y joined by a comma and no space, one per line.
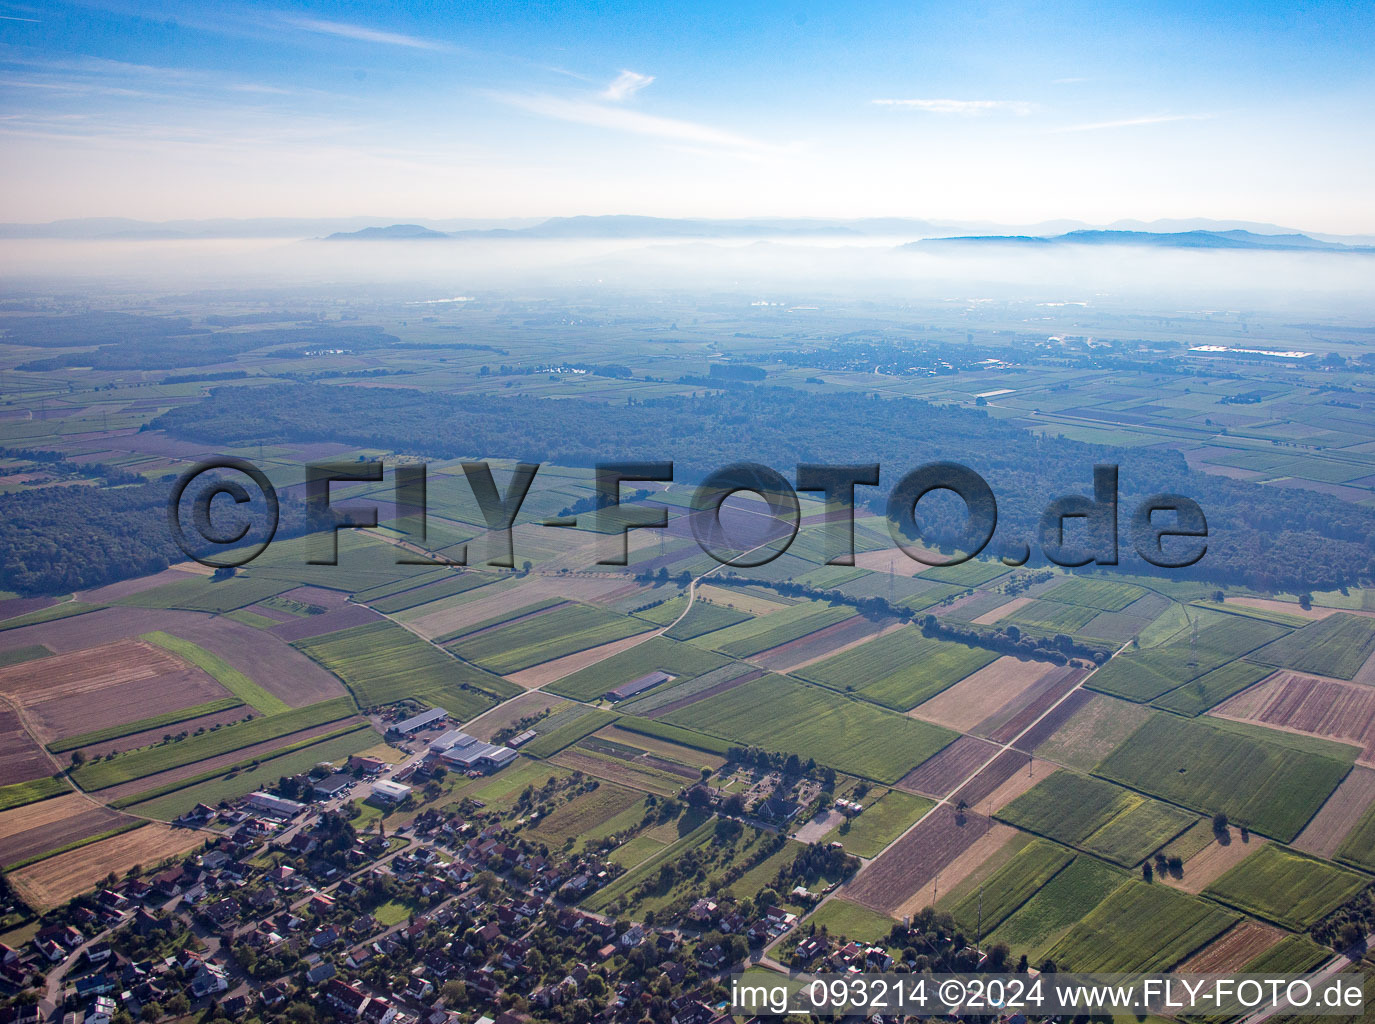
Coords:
565,630
248,780
1358,847
382,663
16,655
755,635
621,887
1104,595
673,734
585,812
1286,887
1335,646
899,670
657,654
636,851
1051,616
780,714
17,794
1140,928
1064,901
65,610
136,764
1274,786
579,722
205,594
703,618
114,732
221,671
972,573
1098,816
1210,690
1143,675
1293,954
843,918
453,583
882,822
1003,892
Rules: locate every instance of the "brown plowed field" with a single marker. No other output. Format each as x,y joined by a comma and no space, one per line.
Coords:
982,786
1346,806
941,773
1213,861
1051,690
49,824
1233,950
1307,704
903,873
57,879
271,663
21,759
68,694
996,689
822,644
1048,726
314,625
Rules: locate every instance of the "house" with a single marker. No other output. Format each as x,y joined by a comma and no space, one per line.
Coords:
211,979
378,1011
102,1011
366,765
345,998
321,972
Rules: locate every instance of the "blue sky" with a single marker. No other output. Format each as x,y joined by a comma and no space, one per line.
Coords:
1014,112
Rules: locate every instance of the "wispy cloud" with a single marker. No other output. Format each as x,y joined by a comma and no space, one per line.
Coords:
626,85
362,33
964,108
600,115
1133,122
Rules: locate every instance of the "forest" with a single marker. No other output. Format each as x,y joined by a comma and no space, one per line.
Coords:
1263,537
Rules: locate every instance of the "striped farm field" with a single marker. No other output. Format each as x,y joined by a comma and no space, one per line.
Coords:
135,764
1286,887
1359,846
1146,674
781,714
454,583
382,663
1003,892
1140,928
1051,616
1105,595
1059,905
205,594
115,732
539,638
1272,785
746,638
899,670
657,654
1335,646
1210,690
1079,810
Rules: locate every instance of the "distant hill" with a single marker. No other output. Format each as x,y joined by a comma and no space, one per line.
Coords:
1234,239
391,233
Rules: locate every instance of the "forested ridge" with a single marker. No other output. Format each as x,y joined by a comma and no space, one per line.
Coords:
1260,536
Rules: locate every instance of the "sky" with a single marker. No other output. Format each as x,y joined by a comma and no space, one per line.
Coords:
1006,112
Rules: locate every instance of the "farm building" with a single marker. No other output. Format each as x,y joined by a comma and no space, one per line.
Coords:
391,792
470,752
334,785
275,804
424,720
525,737
450,739
367,765
637,685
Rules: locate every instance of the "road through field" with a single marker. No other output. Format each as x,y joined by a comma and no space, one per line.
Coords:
945,800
